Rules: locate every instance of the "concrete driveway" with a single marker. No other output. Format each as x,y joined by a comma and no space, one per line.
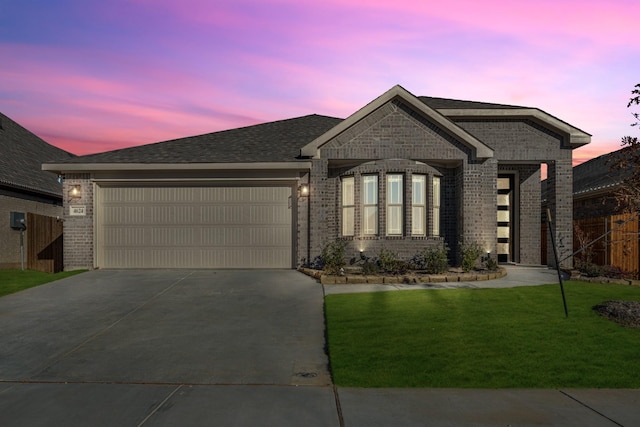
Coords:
113,347
231,348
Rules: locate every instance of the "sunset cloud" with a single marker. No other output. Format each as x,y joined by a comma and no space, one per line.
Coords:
90,76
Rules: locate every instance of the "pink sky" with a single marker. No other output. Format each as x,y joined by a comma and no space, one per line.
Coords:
91,76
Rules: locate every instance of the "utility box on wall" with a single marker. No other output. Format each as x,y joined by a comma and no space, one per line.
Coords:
17,220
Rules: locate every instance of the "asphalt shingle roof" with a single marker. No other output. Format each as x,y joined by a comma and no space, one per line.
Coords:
22,155
278,141
445,103
596,174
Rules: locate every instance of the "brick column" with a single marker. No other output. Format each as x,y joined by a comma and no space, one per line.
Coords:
479,203
78,230
530,202
560,203
321,202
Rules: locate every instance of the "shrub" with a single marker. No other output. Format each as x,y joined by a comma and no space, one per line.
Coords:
590,269
469,254
333,256
370,266
434,259
613,272
389,262
491,264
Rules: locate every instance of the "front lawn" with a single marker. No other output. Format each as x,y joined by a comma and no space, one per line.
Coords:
482,338
17,280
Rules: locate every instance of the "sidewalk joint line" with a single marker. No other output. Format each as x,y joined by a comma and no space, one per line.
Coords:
590,408
157,408
102,331
338,406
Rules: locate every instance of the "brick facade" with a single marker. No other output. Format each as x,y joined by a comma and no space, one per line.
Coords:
394,131
395,134
78,230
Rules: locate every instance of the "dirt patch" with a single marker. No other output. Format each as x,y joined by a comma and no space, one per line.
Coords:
625,313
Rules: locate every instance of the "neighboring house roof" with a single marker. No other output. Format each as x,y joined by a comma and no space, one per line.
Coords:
596,175
21,161
277,141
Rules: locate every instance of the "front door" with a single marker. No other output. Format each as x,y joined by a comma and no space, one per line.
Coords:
505,218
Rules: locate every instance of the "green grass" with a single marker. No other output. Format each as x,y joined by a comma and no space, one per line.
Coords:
482,338
12,281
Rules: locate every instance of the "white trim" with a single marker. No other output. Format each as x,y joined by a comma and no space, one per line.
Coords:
90,167
169,180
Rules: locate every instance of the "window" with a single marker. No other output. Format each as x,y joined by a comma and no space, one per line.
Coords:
418,204
436,205
394,205
348,206
369,204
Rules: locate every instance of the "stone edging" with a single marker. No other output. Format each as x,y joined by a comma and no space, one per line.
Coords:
326,279
606,280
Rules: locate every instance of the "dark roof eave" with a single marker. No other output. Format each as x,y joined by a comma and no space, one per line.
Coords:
31,190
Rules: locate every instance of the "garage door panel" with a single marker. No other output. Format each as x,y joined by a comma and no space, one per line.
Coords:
173,236
198,227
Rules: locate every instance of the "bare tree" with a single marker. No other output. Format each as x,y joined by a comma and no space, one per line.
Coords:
627,164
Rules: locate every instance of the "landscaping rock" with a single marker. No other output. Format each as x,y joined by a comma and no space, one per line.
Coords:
625,313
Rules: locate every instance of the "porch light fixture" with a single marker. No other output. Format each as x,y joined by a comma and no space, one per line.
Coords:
75,192
303,190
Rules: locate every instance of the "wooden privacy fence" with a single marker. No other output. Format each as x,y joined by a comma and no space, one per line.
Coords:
44,243
620,246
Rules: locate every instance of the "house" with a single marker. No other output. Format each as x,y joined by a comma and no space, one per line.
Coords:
404,172
24,186
597,216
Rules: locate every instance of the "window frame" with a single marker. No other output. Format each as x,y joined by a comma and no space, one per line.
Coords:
347,187
436,207
419,208
369,207
394,204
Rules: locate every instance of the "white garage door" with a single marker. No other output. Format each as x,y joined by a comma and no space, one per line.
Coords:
194,227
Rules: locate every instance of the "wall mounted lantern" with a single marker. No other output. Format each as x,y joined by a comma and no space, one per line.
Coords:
303,190
75,192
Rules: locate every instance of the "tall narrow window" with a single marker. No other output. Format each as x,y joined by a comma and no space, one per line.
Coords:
370,204
394,205
348,206
436,206
418,204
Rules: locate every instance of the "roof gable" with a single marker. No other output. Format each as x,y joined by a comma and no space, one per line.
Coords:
22,156
480,150
456,110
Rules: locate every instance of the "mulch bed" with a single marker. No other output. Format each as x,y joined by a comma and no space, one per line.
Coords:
625,313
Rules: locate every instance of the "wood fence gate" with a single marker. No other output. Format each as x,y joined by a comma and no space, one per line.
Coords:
44,243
